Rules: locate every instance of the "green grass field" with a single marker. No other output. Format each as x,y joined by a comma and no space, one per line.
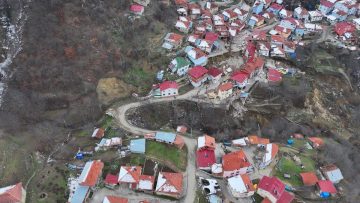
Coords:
167,153
288,166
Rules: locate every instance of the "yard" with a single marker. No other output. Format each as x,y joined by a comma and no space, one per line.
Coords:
168,154
287,166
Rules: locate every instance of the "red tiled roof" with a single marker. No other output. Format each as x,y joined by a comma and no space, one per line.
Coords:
235,160
272,185
180,2
344,27
115,199
240,77
197,72
111,179
136,8
226,86
167,85
326,3
134,173
174,179
175,37
277,38
326,186
274,150
265,200
276,6
211,36
247,182
100,133
194,6
254,139
317,141
274,75
214,71
93,174
285,198
205,157
148,178
13,194
309,178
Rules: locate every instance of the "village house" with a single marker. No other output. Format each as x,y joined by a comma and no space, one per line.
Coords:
146,183
344,29
357,23
206,15
137,9
263,48
229,15
259,141
98,133
253,68
225,90
168,89
114,199
277,51
172,41
88,179
183,24
108,143
285,13
256,20
214,74
181,7
206,142
206,45
280,30
137,146
269,17
242,14
275,8
326,188
315,16
289,47
194,10
277,40
339,15
271,150
142,2
312,28
240,186
235,163
258,7
274,76
218,20
325,6
240,78
332,173
111,181
197,75
273,190
130,175
316,142
309,178
290,23
301,13
179,65
222,31
165,137
205,158
169,184
241,142
349,7
259,35
192,38
212,7
196,56
13,194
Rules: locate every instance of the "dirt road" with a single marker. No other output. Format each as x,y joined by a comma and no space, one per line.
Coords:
190,186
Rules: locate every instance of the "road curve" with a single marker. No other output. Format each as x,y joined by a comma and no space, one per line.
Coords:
190,190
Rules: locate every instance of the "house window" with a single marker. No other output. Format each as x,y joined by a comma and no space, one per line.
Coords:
169,93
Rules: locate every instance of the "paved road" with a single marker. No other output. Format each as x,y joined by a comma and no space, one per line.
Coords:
190,186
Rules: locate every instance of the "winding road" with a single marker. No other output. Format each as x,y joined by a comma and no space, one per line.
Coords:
120,115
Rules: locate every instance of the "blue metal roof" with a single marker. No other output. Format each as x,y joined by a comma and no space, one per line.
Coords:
165,137
137,146
80,194
214,199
